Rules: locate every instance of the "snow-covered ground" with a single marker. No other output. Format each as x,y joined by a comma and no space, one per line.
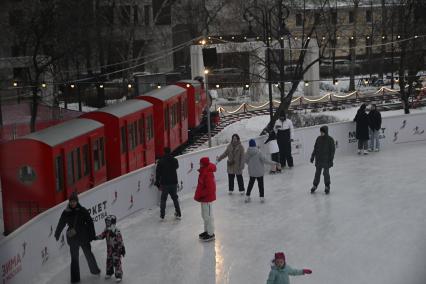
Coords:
370,229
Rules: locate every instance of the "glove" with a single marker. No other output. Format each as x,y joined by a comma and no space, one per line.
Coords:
307,271
312,159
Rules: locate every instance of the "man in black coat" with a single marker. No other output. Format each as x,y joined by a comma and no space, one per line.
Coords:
167,181
80,232
323,155
375,123
361,119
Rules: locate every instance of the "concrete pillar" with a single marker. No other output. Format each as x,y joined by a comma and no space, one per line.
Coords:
197,63
312,75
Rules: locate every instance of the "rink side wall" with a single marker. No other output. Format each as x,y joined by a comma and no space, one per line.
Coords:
25,251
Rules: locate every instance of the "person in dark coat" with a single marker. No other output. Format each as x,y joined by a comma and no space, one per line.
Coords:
323,155
375,123
80,232
284,129
167,182
362,124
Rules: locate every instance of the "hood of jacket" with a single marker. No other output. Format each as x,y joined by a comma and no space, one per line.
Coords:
209,168
252,151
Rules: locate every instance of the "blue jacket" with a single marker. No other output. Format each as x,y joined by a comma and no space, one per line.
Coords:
280,275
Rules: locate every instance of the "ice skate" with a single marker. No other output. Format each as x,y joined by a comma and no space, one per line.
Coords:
376,150
359,152
118,280
365,152
262,200
208,238
202,235
313,189
230,192
247,200
327,189
242,192
107,276
178,216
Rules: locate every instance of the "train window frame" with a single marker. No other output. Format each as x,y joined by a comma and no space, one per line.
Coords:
96,156
78,161
59,173
166,118
102,150
123,140
141,125
29,177
150,127
179,111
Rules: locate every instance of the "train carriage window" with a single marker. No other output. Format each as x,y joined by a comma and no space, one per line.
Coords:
70,168
77,153
173,114
123,140
102,149
166,119
59,174
130,134
197,96
179,112
150,128
27,175
86,160
96,155
141,132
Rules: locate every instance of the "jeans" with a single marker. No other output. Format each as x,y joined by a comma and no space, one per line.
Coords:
75,266
259,184
240,181
207,215
165,191
326,174
374,137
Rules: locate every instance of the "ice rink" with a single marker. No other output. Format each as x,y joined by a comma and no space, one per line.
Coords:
370,229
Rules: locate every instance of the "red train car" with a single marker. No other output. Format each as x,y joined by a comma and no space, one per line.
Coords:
197,101
41,169
130,132
170,116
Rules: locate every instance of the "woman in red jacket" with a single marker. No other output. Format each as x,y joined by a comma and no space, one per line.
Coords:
206,194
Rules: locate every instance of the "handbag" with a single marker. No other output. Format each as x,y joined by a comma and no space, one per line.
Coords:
72,232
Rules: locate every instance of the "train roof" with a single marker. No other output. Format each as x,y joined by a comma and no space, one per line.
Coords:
165,93
125,108
65,131
195,83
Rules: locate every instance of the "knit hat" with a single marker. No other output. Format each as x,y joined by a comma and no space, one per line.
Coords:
252,143
204,161
324,129
73,197
279,255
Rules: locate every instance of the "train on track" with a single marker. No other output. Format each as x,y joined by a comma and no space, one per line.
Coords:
40,170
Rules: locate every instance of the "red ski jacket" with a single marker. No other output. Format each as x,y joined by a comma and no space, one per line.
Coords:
206,188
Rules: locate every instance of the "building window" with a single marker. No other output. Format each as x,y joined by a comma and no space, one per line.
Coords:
26,175
125,15
15,18
351,17
368,16
135,15
147,15
299,20
334,18
59,174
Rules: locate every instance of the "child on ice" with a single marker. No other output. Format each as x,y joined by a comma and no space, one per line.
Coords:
280,271
115,248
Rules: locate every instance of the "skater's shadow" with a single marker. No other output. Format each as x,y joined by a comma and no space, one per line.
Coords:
207,271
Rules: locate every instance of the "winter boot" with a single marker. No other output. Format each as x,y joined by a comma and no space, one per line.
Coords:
359,152
242,192
118,279
262,200
178,216
247,200
365,152
230,192
327,189
377,150
314,187
107,276
208,238
202,235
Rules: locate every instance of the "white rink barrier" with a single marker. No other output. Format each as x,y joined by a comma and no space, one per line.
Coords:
25,251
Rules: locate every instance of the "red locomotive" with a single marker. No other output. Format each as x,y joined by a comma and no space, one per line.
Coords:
40,170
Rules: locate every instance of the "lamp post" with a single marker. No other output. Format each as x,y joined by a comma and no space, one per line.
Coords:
265,21
209,134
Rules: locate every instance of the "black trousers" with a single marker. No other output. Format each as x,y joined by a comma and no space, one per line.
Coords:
259,184
284,144
75,266
276,157
240,181
326,174
165,191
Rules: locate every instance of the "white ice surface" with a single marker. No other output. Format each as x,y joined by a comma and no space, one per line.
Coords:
370,229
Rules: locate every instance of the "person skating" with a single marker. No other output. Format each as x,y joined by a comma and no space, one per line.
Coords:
362,123
235,164
80,232
284,129
256,169
115,248
167,182
323,154
280,270
375,123
274,151
206,194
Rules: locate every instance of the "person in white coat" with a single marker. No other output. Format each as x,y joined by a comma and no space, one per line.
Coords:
274,151
255,161
285,132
